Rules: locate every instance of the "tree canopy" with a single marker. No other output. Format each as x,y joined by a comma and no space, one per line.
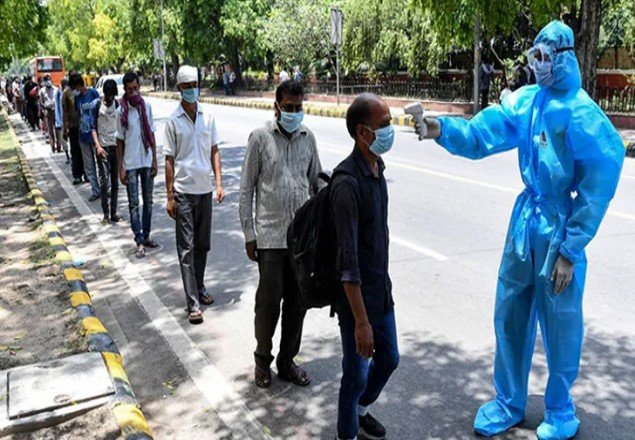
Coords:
379,35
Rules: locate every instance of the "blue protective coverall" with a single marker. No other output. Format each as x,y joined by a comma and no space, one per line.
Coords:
570,158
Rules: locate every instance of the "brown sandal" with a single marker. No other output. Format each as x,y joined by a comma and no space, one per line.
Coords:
295,375
196,317
262,377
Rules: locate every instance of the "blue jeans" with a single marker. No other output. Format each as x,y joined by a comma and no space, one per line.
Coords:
363,380
88,156
140,227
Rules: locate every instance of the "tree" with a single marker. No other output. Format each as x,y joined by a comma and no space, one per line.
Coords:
27,20
244,25
388,35
297,32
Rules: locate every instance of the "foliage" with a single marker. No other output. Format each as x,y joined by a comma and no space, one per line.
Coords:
27,21
298,32
379,35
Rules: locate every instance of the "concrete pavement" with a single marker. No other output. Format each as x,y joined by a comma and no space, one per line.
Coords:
448,219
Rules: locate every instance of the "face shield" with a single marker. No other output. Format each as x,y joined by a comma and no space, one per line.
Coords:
542,55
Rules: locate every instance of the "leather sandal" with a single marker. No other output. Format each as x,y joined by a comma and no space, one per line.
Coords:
262,377
295,375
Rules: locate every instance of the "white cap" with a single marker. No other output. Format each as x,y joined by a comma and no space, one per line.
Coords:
187,74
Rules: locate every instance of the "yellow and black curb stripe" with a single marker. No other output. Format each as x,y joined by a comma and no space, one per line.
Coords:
403,120
125,407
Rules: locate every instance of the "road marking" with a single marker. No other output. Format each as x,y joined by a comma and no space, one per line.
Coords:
420,249
215,388
406,166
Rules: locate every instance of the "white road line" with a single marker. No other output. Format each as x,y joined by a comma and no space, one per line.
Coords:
422,170
420,249
215,388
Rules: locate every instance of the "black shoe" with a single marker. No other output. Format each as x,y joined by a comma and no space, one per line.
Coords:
370,428
115,218
93,197
77,181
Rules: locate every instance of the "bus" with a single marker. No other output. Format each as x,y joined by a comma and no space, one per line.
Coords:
52,65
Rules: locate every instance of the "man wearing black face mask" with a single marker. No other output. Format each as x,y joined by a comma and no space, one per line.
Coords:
281,168
359,208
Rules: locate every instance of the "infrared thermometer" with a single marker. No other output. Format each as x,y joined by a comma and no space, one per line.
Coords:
416,111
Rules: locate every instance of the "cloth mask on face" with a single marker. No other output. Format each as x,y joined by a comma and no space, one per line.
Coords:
135,99
190,95
76,93
48,84
384,138
291,122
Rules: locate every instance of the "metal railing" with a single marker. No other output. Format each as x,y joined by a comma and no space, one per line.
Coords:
611,100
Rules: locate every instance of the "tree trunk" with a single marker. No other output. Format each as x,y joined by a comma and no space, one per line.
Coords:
175,68
587,42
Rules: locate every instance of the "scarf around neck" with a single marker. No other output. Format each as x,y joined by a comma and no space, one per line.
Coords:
137,102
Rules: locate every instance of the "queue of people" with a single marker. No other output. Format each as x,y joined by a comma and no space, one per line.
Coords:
566,144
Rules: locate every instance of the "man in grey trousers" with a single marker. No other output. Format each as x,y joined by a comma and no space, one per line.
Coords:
191,154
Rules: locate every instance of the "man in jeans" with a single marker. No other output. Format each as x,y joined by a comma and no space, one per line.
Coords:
191,153
365,308
281,167
85,100
71,132
105,140
137,157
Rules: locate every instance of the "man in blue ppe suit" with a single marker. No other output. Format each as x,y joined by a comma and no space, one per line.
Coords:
570,160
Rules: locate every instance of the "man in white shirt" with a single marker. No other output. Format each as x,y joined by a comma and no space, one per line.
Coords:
191,154
137,158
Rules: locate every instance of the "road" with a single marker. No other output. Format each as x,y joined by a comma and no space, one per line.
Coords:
448,218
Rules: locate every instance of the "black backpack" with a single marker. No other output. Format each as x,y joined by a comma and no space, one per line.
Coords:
311,244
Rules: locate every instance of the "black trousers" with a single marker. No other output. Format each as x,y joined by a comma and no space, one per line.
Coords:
32,114
109,177
193,236
277,284
484,98
77,162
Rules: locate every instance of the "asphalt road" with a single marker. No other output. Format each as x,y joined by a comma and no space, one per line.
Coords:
448,219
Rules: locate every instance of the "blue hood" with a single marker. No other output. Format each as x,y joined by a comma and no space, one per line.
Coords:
566,69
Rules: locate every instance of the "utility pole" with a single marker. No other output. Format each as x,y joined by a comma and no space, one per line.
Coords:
477,62
337,19
165,68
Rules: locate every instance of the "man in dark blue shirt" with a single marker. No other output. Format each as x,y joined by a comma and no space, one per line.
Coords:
359,206
85,101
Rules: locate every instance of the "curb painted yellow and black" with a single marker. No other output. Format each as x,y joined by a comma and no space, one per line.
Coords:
125,407
403,120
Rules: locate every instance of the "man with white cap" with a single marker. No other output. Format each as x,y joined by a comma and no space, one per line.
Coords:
191,154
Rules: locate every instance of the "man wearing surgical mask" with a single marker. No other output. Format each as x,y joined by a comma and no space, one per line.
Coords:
365,308
191,155
280,169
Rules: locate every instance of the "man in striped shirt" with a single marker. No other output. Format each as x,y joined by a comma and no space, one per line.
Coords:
281,169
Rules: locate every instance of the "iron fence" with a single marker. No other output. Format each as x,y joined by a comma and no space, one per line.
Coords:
611,100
